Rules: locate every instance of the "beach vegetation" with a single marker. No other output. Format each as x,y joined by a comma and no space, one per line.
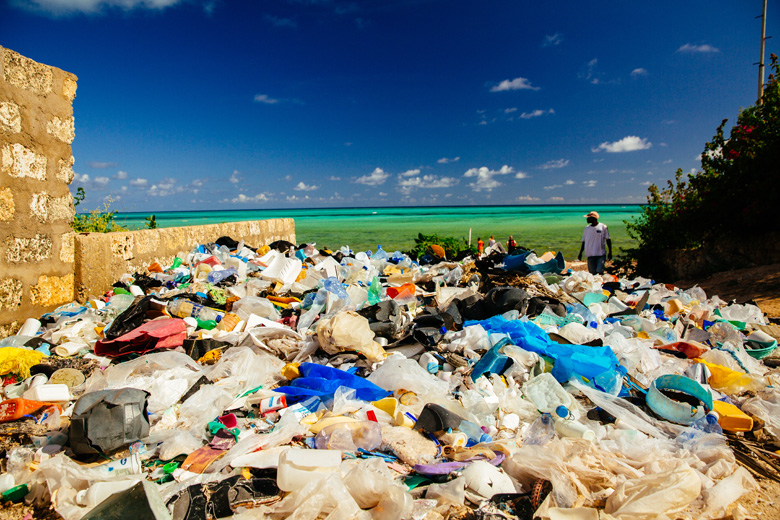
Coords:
452,246
151,222
99,220
734,194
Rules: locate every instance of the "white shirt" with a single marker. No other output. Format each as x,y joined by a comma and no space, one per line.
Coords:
595,238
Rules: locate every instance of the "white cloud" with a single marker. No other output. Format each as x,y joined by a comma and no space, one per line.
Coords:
553,187
260,197
555,199
139,182
514,84
485,177
521,175
287,177
164,188
700,49
646,183
375,178
78,177
334,178
569,182
100,165
446,160
536,113
295,198
668,161
62,7
589,72
121,175
589,184
264,98
637,73
426,181
382,194
102,181
301,186
510,110
278,21
629,143
554,164
410,173
198,183
552,40
527,198
234,177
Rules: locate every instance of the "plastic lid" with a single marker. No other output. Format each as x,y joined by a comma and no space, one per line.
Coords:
562,412
546,418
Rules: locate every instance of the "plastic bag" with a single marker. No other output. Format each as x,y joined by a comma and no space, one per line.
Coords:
453,492
766,406
326,497
349,331
654,495
372,486
400,373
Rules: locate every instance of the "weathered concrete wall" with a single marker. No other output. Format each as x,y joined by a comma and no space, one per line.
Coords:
36,166
102,258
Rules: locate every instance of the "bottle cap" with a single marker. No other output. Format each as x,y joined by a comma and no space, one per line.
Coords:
562,412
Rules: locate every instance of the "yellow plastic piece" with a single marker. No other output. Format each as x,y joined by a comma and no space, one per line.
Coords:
328,421
263,250
16,360
212,356
731,418
387,405
291,370
642,335
723,378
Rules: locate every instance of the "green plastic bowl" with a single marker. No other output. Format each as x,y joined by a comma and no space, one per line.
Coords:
760,353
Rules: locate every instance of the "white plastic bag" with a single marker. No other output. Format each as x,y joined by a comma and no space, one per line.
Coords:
654,495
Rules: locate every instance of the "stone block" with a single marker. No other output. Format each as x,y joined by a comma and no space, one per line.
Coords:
10,117
39,206
69,88
52,290
24,250
122,245
9,329
62,129
27,74
10,294
61,208
7,207
18,161
65,170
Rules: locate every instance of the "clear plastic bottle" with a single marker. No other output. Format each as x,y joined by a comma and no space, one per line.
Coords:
183,308
541,431
708,423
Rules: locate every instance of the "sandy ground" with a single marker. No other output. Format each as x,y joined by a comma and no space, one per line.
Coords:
760,285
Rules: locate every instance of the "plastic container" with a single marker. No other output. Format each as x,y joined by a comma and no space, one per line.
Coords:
546,393
541,430
30,327
566,426
99,491
731,418
184,309
299,467
48,393
128,466
13,409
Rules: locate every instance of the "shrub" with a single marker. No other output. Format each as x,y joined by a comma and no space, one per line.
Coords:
97,220
452,246
736,192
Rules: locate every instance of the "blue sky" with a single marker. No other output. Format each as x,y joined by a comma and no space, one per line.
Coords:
191,104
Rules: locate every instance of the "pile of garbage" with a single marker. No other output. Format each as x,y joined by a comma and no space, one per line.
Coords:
304,383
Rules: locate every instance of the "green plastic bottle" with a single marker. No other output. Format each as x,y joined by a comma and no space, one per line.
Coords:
374,291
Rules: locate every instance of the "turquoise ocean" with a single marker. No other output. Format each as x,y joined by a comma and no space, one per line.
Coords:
542,228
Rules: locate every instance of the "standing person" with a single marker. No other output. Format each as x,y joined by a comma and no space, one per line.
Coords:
511,245
594,237
480,246
492,241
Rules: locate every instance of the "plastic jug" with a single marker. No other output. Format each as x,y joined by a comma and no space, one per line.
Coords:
48,393
99,491
299,467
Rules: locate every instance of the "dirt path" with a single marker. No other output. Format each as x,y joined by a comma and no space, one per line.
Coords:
760,285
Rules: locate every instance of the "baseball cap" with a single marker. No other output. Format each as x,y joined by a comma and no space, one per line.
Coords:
592,214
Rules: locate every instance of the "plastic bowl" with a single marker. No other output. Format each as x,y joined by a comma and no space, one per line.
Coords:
761,353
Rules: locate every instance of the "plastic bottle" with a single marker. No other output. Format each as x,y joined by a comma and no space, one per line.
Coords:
380,254
99,491
708,423
541,431
566,426
374,291
216,277
475,433
185,308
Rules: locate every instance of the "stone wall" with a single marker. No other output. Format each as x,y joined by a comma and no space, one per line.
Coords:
36,167
102,258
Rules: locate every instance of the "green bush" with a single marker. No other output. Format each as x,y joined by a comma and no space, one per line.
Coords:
97,220
736,192
452,246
